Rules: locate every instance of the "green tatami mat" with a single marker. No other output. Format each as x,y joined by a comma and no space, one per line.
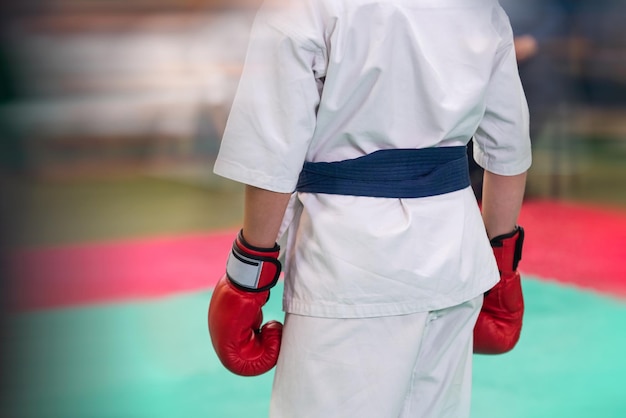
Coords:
149,359
153,359
570,361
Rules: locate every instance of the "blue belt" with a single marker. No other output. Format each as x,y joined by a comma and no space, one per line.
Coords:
394,173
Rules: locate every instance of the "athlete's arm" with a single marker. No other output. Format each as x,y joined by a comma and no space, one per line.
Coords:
242,343
502,202
263,215
499,323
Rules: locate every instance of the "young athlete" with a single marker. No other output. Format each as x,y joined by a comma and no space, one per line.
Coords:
349,130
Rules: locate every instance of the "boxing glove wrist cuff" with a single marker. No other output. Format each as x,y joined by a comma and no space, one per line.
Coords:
508,248
253,269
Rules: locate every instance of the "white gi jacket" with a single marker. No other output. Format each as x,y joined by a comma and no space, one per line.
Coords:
329,80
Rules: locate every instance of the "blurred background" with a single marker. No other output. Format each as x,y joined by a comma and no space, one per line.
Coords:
111,114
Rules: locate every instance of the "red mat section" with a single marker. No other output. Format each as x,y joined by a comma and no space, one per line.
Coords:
581,245
100,272
575,244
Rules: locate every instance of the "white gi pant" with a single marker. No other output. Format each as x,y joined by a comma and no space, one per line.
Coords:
417,365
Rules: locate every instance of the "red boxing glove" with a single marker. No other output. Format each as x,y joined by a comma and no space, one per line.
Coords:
244,346
499,323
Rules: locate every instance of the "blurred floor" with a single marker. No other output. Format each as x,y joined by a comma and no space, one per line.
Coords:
105,207
144,351
153,359
568,243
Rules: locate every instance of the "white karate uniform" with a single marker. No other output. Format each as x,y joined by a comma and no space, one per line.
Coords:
403,366
329,80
